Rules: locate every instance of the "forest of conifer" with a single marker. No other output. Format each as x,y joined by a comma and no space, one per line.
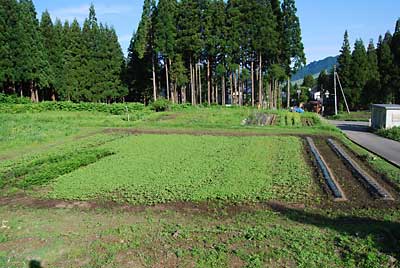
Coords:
371,75
197,51
58,61
213,51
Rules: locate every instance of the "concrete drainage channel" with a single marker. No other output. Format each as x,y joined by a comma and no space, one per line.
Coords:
337,154
371,183
327,173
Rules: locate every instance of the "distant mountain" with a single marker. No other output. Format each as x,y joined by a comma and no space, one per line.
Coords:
314,68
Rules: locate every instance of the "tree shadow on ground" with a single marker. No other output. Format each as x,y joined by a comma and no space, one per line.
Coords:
386,234
35,264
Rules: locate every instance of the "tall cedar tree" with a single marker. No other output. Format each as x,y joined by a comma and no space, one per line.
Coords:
58,57
113,61
140,76
138,71
51,52
395,47
31,63
189,38
386,68
8,44
214,43
90,73
72,67
165,36
233,43
265,39
344,62
372,87
143,41
293,54
308,81
359,74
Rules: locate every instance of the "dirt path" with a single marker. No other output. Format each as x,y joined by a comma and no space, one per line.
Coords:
200,132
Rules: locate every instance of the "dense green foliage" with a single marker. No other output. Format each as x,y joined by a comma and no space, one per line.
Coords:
371,75
160,105
393,133
114,108
12,99
242,50
179,44
192,169
49,61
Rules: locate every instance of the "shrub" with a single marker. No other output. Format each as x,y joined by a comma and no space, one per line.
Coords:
161,105
13,99
115,108
393,133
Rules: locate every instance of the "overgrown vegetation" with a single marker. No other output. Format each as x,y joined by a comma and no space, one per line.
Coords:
115,108
161,105
13,99
392,133
363,116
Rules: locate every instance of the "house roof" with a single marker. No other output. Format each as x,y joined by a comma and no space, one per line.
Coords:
387,106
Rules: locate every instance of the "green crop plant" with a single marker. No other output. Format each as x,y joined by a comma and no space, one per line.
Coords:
151,169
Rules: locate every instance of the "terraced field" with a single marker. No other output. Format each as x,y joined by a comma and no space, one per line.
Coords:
191,188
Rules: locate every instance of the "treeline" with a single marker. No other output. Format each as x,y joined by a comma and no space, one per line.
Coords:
58,61
214,51
371,75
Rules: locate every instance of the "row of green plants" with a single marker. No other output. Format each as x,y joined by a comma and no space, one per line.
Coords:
41,168
290,119
42,171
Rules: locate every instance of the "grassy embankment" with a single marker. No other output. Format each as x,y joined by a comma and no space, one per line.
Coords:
363,116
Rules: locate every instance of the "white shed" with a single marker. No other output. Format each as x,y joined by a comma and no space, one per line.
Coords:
385,116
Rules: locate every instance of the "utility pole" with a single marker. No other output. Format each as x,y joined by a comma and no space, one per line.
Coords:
344,96
334,87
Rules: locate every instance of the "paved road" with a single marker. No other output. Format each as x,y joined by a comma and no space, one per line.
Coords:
359,133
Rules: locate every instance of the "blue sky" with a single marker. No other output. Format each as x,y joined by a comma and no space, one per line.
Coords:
323,22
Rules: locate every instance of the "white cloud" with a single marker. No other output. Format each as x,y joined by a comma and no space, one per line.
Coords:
82,11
